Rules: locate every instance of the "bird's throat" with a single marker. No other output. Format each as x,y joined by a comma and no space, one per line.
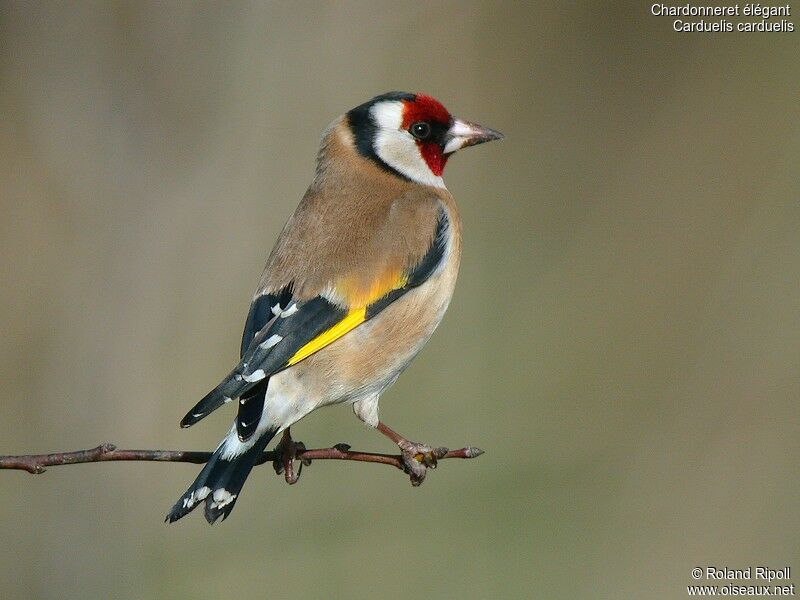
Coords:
433,156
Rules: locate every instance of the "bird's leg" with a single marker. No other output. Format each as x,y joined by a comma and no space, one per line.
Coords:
417,458
287,450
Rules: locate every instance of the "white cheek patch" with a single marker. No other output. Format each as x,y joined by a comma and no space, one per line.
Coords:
397,148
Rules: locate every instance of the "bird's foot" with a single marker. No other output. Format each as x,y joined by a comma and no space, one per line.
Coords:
288,450
418,458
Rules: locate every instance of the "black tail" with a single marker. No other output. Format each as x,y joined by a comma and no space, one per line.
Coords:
220,482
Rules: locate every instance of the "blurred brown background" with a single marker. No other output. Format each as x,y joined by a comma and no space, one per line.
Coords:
624,341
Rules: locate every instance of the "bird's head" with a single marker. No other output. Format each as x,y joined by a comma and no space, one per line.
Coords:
412,135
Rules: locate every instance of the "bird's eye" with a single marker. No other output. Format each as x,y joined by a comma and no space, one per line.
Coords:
420,130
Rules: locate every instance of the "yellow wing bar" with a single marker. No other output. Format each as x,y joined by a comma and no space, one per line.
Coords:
352,320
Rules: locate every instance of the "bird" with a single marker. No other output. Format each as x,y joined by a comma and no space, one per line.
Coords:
358,280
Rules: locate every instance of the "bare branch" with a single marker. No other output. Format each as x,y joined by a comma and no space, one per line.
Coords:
37,463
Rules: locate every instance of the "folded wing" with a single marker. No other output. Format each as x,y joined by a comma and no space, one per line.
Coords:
294,329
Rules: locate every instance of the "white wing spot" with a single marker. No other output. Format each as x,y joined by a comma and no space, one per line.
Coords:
226,399
270,342
276,310
256,375
289,311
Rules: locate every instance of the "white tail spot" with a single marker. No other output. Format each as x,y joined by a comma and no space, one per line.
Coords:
223,497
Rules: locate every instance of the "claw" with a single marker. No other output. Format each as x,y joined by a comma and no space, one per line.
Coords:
418,458
287,451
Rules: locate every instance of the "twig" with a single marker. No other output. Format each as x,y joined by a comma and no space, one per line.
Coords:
37,463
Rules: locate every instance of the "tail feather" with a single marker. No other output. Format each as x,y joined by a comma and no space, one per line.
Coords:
251,408
221,480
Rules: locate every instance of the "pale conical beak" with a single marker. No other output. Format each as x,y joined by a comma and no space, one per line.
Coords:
463,133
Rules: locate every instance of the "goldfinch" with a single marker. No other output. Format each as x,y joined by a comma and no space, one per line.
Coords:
357,282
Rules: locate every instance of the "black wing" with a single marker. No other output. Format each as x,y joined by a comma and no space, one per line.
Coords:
269,351
293,330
